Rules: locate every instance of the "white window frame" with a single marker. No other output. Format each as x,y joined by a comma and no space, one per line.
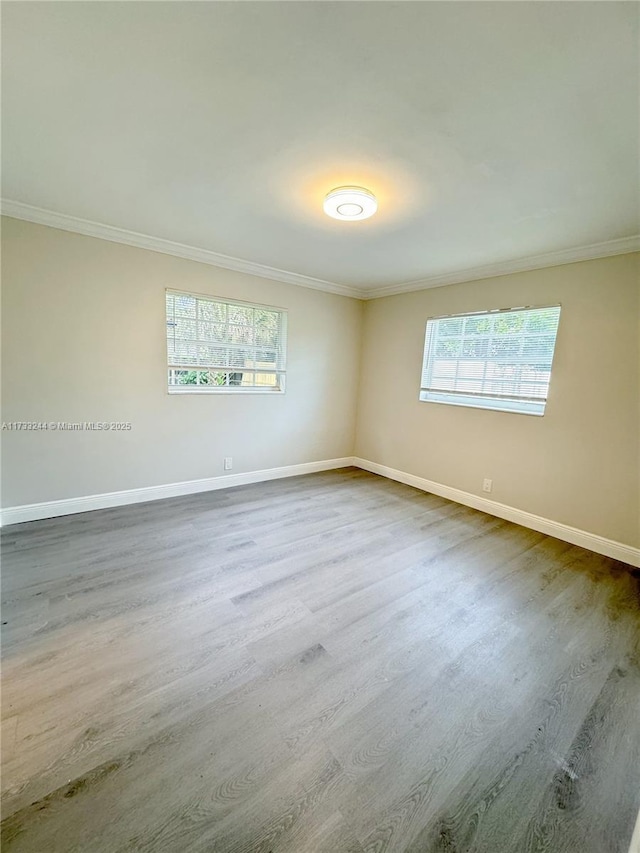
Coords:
524,402
279,369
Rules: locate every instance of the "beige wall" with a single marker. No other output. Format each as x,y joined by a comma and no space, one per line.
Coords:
579,464
84,340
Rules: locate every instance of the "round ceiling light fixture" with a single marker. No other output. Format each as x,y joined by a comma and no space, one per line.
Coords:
350,203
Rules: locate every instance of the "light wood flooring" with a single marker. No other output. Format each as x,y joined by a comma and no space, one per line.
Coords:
334,663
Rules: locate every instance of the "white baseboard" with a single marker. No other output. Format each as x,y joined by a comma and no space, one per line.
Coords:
69,506
608,547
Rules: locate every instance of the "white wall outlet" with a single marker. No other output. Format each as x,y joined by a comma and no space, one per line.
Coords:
487,484
228,463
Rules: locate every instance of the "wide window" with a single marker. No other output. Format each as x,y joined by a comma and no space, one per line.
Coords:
492,360
214,345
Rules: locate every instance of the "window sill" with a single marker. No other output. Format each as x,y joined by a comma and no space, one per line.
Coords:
222,390
495,405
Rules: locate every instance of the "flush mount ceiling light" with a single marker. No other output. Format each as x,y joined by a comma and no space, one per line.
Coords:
350,203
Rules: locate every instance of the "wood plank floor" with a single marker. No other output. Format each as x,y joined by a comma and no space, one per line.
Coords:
334,663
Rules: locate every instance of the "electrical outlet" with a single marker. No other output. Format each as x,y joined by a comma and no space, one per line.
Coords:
487,484
228,463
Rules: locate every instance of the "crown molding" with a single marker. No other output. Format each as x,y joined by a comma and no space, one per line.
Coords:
622,246
40,216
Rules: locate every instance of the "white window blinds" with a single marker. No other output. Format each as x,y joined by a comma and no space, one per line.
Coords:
216,345
493,360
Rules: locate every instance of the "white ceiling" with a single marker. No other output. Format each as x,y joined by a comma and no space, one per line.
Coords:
489,131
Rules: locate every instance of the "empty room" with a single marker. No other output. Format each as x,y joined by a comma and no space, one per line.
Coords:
320,443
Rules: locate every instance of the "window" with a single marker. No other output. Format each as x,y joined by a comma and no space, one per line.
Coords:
217,346
493,360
